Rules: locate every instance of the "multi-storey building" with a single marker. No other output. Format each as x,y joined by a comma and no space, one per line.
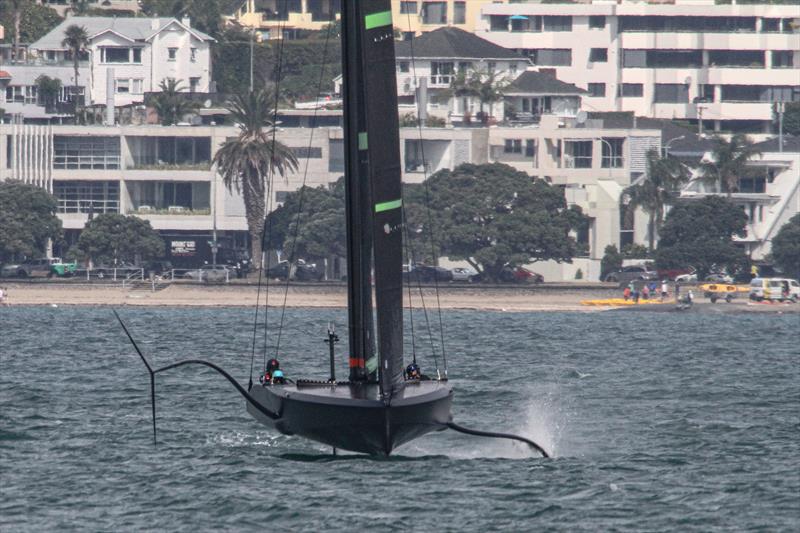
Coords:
126,58
724,64
63,7
283,19
415,17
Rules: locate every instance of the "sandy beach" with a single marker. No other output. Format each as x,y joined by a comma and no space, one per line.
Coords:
511,298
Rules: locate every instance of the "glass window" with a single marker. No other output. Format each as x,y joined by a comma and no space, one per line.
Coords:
86,152
597,22
137,55
434,13
557,23
597,89
770,25
441,72
306,152
553,57
193,54
95,197
736,58
612,152
634,58
671,93
578,154
530,148
598,55
706,93
459,12
498,23
513,146
782,59
408,8
631,89
137,86
123,85
403,66
172,54
114,55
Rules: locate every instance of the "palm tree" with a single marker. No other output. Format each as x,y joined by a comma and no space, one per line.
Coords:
657,189
16,8
248,161
487,86
75,40
171,104
728,162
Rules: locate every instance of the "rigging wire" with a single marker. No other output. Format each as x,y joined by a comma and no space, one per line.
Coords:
428,207
406,245
302,189
270,181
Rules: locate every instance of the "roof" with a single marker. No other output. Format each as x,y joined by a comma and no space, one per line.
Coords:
790,144
682,141
532,82
4,75
452,43
135,29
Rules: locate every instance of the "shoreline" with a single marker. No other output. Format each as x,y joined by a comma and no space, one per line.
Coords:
530,298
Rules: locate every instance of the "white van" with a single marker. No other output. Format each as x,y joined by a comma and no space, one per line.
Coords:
779,289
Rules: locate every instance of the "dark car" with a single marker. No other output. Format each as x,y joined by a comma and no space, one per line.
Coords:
632,273
427,273
302,271
511,274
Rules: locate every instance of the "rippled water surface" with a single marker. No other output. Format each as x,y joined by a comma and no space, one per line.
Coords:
657,422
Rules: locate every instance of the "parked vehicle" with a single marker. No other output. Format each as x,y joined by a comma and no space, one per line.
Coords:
515,275
34,268
686,278
209,273
632,273
774,289
301,271
717,277
464,274
427,273
673,274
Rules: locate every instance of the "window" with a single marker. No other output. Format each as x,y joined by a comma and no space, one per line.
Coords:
137,86
498,23
598,55
553,57
513,146
612,152
597,89
123,85
464,66
662,58
408,8
634,58
782,59
693,24
759,93
557,23
578,154
459,12
193,55
512,68
597,22
530,148
403,66
86,152
434,13
115,55
491,66
336,155
706,93
736,58
194,83
631,89
671,93
172,54
441,72
307,152
770,25
526,23
87,196
137,55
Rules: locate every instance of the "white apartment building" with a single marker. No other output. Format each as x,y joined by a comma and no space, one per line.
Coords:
724,64
126,58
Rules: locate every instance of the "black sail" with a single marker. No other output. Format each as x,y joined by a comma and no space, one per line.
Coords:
383,140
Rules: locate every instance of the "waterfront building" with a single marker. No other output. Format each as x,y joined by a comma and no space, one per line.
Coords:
724,65
126,58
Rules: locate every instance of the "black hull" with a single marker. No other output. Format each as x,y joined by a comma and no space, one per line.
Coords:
353,416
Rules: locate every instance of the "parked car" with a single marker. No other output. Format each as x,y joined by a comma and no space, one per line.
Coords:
301,271
779,289
686,278
716,277
673,274
464,274
632,273
515,275
210,273
30,268
427,273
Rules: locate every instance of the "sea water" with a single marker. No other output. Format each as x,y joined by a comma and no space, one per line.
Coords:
656,421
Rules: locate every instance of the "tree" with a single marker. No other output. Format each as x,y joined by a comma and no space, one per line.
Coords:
315,230
29,20
700,234
791,118
75,40
487,86
113,238
491,216
48,90
728,162
27,219
659,187
250,161
786,247
170,104
611,262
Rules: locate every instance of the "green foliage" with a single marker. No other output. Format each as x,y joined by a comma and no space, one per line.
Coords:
635,251
579,274
35,20
170,104
27,219
111,237
487,86
204,14
700,234
48,90
786,247
611,262
660,185
791,119
306,69
318,232
728,162
491,216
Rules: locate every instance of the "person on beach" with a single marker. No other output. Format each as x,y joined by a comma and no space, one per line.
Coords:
664,289
635,294
645,293
626,294
677,291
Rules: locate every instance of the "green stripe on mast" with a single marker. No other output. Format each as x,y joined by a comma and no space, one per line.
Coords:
376,20
388,206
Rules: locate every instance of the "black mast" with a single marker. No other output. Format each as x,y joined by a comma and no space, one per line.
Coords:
359,245
374,214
